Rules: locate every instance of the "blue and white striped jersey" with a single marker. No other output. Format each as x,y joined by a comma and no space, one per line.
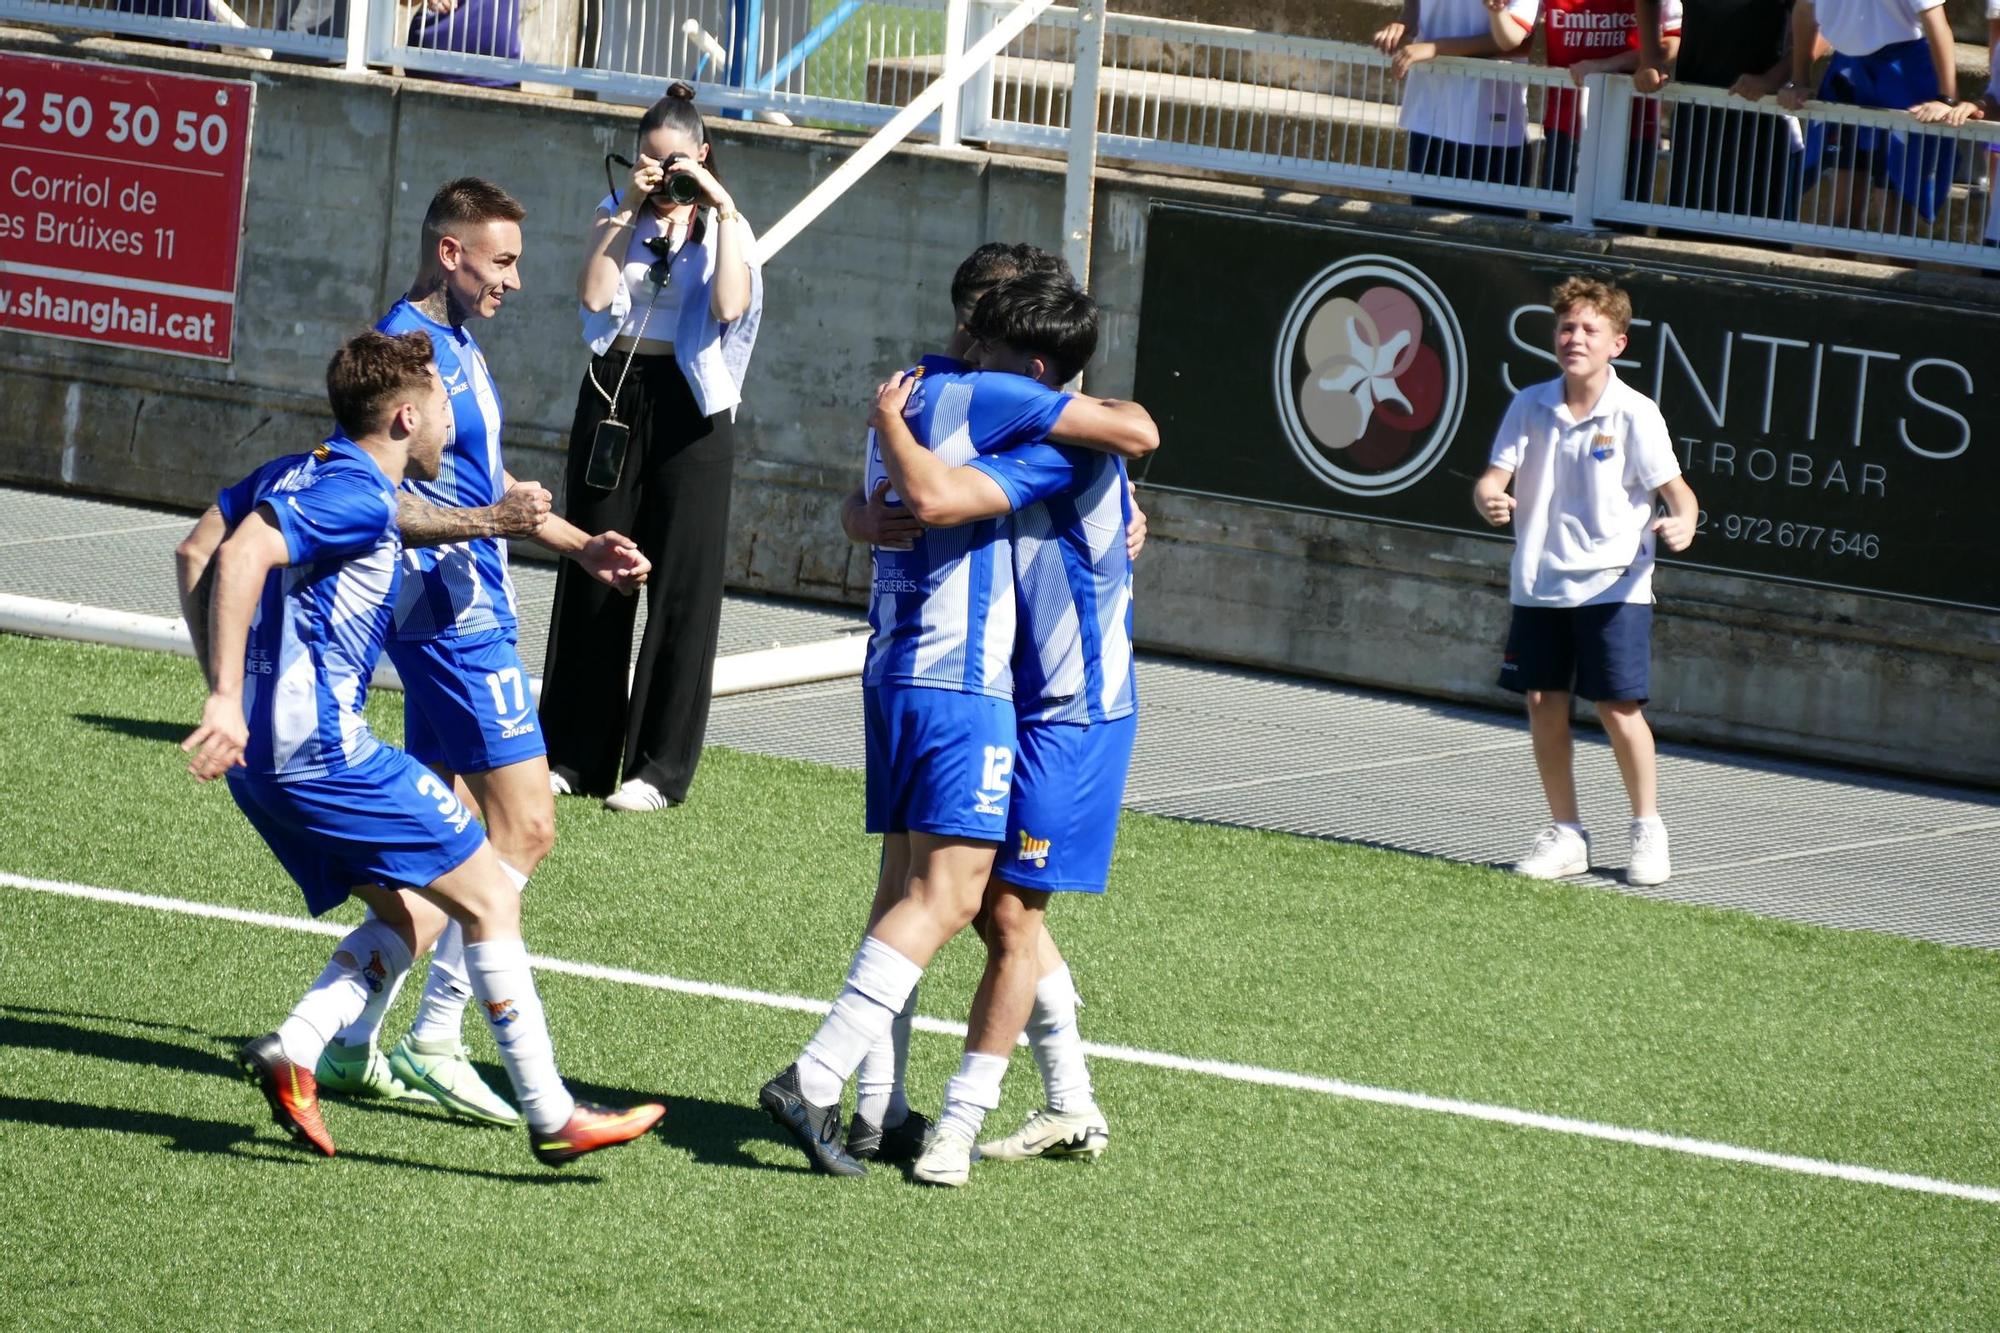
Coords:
462,588
943,612
322,620
1073,582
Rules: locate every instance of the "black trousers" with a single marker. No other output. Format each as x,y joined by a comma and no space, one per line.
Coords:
673,500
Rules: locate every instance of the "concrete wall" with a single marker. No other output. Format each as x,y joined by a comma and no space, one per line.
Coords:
343,168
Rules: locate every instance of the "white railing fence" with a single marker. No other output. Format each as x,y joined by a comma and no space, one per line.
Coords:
1329,116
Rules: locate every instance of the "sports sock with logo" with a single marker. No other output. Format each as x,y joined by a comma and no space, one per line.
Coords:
879,984
441,1013
506,989
342,991
381,995
971,1093
878,1080
1058,1046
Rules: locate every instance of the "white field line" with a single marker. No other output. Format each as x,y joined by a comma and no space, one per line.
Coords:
1274,1078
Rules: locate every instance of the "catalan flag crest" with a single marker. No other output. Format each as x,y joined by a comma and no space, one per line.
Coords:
1033,849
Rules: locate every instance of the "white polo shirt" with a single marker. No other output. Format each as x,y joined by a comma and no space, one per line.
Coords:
1583,494
1857,27
1489,113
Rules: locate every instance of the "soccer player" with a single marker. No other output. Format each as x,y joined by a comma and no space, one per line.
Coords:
940,724
294,572
1070,1123
467,707
1075,698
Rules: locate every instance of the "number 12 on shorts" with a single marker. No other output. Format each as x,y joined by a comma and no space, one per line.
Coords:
999,768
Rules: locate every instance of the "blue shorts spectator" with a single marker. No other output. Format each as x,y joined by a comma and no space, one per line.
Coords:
1917,167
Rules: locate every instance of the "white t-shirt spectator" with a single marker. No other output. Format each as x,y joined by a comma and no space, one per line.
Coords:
1486,112
1857,27
1583,494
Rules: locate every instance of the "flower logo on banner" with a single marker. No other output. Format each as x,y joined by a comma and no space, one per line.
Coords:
1370,375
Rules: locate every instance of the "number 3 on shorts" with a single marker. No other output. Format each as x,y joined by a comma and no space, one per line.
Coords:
447,800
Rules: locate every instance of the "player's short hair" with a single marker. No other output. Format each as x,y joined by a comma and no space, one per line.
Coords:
1043,314
1607,300
464,203
997,261
373,374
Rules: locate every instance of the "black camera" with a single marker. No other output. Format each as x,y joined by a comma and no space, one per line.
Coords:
680,188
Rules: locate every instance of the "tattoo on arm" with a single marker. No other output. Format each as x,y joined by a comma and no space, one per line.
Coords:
425,524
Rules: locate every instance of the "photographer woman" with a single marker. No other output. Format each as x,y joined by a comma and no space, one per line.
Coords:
671,299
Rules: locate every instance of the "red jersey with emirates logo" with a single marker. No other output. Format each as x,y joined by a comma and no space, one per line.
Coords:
1593,30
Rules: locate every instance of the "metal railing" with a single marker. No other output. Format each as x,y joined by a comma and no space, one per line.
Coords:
306,28
1327,115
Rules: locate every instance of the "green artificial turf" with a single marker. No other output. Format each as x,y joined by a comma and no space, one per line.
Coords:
146,1186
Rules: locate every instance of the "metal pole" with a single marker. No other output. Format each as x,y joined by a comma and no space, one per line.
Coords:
954,47
1080,184
843,177
360,13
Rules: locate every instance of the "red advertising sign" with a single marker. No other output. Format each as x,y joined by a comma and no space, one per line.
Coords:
121,204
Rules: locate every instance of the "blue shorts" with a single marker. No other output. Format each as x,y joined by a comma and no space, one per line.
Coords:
1069,784
1601,653
389,821
466,703
939,761
1918,167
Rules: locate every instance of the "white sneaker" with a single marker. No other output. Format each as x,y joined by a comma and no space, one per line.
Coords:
559,785
637,794
947,1159
1080,1134
1557,852
1649,863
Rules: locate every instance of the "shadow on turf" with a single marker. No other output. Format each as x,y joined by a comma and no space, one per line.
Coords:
38,1030
138,728
713,1133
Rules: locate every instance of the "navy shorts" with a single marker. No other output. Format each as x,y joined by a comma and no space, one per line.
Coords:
388,820
939,761
1600,652
1069,785
467,705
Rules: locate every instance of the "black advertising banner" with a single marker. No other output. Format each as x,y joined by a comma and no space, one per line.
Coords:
1833,438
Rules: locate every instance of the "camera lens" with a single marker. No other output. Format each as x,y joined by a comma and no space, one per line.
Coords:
681,189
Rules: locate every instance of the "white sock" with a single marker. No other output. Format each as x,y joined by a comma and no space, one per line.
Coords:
1058,1046
879,983
878,1079
384,984
440,1020
342,991
506,989
972,1092
1573,828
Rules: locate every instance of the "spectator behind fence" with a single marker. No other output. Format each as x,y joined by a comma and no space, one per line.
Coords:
1462,128
1586,456
1589,37
469,27
1894,54
671,298
1739,162
1987,108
